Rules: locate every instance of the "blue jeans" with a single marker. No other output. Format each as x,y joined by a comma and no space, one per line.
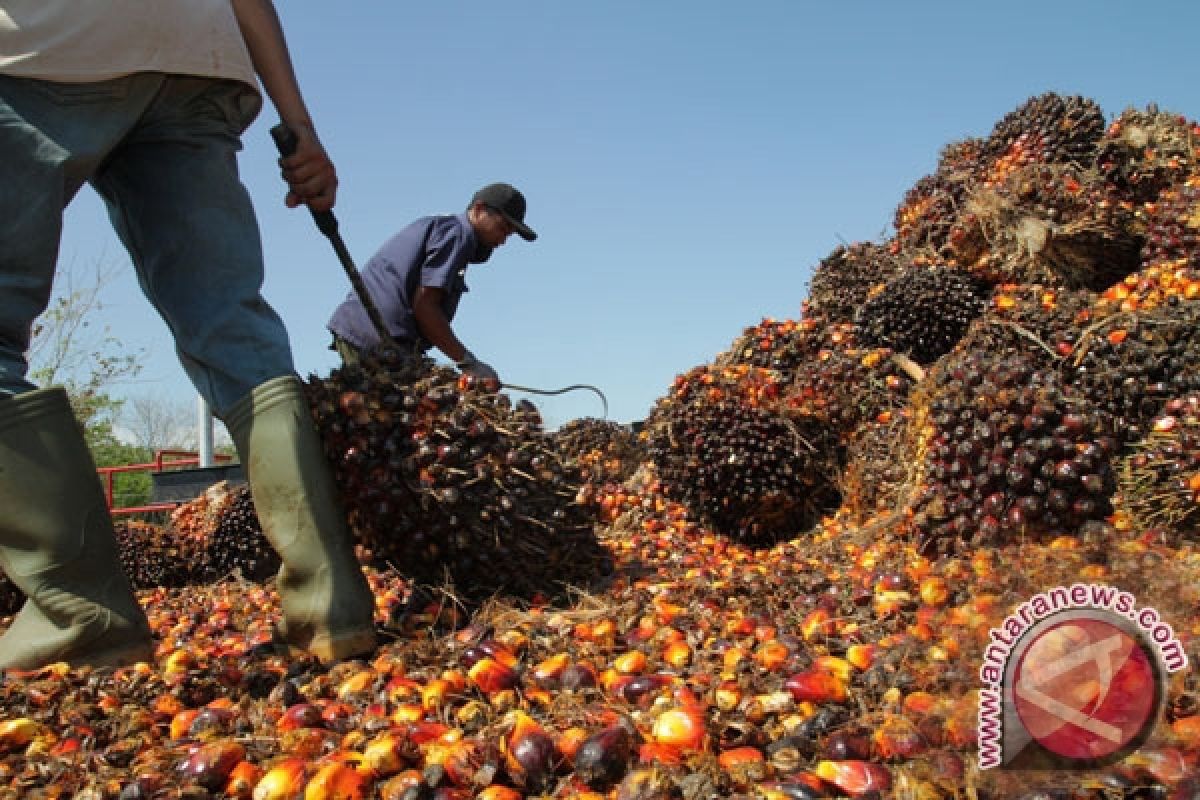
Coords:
161,150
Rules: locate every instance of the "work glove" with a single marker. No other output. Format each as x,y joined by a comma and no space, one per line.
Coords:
470,365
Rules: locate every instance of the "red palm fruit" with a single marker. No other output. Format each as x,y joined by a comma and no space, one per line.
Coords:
632,662
569,741
898,737
337,781
384,755
1187,730
855,778
357,684
283,781
424,732
772,655
680,727
334,711
529,752
300,715
919,703
210,764
677,653
818,624
665,754
816,686
489,675
549,671
744,765
861,656
603,758
181,723
242,780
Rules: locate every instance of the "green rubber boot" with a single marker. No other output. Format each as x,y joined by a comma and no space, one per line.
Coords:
328,607
57,545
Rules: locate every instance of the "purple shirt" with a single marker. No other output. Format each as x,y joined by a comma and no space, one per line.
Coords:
432,251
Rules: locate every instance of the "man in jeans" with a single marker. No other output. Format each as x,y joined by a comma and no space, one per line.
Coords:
146,101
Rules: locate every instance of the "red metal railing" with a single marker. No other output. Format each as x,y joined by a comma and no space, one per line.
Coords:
163,460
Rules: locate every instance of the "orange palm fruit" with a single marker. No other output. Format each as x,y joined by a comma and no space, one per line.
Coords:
817,686
19,732
632,662
679,727
242,780
489,675
548,671
855,777
283,781
337,781
383,755
499,793
744,765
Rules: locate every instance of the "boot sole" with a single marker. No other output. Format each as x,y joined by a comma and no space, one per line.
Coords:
336,647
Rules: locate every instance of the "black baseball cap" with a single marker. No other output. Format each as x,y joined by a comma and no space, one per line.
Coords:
508,202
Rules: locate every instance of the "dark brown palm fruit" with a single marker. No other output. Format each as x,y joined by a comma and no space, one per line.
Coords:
1047,129
1129,365
921,313
1173,225
602,450
1158,480
237,545
742,468
1011,450
1146,151
1049,223
844,279
444,479
153,555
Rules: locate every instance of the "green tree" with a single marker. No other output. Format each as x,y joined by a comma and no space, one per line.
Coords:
72,348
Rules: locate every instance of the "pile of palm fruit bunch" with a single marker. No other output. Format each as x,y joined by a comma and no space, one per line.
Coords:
1049,441
213,537
723,446
446,480
602,450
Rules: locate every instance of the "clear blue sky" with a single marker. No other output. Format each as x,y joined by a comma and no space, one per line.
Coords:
686,164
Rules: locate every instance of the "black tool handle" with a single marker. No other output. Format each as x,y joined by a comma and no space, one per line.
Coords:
285,140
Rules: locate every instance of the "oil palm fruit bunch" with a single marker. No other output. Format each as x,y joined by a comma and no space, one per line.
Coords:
1011,450
236,545
1145,151
779,345
845,386
153,555
1173,225
1047,129
1170,282
1158,481
844,279
1051,223
724,451
443,478
921,313
602,450
926,214
1129,365
1031,321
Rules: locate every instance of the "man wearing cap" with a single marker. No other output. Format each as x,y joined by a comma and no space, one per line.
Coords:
418,276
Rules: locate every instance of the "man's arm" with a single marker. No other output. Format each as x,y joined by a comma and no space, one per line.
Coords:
427,311
309,172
